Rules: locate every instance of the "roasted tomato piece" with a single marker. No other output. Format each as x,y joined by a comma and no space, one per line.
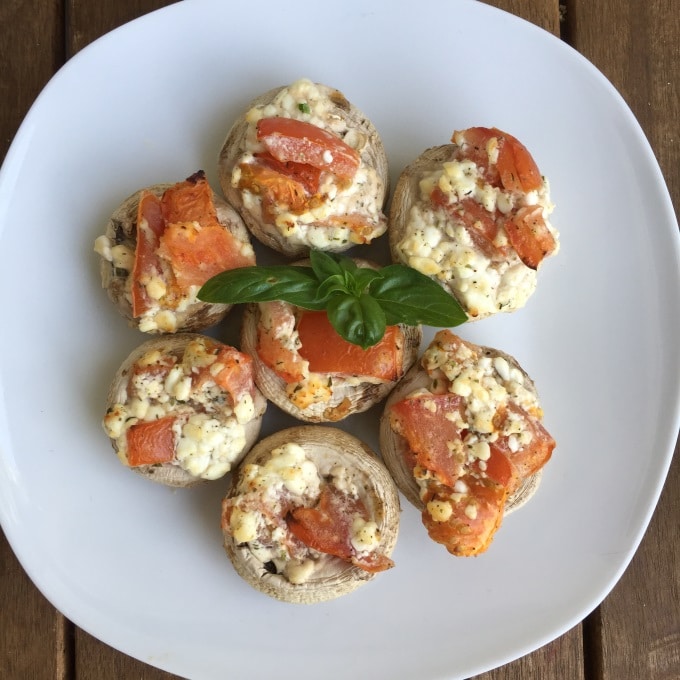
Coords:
189,201
465,522
531,457
427,422
236,376
197,253
505,161
516,165
327,352
529,235
150,442
288,139
150,227
307,175
327,527
277,191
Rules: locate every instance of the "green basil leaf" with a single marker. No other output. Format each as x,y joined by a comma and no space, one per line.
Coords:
297,285
330,265
333,284
407,296
359,320
363,277
347,264
359,301
324,264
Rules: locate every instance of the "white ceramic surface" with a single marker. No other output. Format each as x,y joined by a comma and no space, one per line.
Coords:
142,567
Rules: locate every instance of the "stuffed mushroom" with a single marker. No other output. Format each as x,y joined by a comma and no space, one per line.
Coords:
474,216
463,438
312,514
183,409
306,169
161,245
309,371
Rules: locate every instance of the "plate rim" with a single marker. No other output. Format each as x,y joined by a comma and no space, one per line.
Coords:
11,163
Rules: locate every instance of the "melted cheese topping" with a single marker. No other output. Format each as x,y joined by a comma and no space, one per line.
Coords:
266,492
306,101
439,247
488,385
209,432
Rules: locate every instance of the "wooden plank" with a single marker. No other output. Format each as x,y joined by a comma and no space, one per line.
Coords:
634,44
94,659
639,635
34,635
31,49
34,641
562,658
543,13
88,20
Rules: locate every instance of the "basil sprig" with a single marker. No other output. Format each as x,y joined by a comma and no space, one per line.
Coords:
360,302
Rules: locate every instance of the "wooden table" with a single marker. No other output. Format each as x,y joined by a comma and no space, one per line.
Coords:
635,633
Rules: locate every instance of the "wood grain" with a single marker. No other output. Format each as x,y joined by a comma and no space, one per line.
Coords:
543,13
86,20
639,633
31,50
94,659
33,634
635,44
563,658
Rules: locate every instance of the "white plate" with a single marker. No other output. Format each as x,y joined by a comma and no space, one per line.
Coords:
142,567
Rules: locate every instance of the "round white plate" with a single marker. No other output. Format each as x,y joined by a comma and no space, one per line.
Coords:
142,567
